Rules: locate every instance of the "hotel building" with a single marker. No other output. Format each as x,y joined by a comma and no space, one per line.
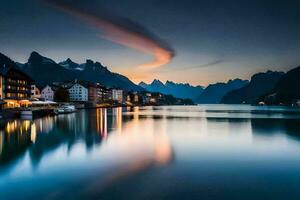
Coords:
15,86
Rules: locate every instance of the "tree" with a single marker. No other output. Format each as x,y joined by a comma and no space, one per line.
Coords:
61,95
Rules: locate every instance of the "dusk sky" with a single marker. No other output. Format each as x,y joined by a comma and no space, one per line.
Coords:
193,41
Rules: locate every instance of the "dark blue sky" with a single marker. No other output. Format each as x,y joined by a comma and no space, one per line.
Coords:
213,40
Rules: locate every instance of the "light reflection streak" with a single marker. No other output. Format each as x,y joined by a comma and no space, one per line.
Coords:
101,122
117,119
1,142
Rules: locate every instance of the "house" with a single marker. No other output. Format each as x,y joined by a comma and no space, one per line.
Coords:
117,95
35,92
15,86
48,93
78,92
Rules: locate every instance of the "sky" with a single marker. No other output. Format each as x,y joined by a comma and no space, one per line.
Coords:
190,41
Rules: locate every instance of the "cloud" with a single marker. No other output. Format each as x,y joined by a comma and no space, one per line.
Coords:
182,68
213,63
119,30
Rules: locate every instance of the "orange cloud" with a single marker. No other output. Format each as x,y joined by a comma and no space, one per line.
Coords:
122,34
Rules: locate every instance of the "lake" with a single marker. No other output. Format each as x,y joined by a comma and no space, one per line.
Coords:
175,152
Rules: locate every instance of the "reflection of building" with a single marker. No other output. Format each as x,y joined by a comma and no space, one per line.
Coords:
47,93
16,137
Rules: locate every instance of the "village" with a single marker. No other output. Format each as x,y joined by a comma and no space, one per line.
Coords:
20,96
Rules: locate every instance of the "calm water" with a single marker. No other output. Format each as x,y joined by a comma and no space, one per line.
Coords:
200,152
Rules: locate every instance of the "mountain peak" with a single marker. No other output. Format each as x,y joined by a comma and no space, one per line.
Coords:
169,82
35,57
143,84
157,82
34,54
69,60
69,64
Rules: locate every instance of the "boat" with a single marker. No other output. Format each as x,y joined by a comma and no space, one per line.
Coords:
32,113
26,113
64,109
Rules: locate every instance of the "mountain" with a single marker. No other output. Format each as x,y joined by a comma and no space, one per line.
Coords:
45,71
286,90
179,90
4,60
69,64
214,92
259,85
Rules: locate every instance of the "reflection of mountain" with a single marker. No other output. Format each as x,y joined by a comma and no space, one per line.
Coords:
277,126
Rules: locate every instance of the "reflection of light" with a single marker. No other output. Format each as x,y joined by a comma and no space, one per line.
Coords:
136,113
163,150
101,121
26,123
45,124
1,142
117,118
33,133
134,150
11,126
105,124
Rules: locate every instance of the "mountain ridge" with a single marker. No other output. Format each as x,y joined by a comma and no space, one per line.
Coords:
259,84
68,70
213,93
179,90
286,90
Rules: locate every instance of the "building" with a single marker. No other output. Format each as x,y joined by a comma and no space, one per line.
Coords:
117,95
146,98
132,97
78,92
98,93
15,86
35,92
48,93
93,95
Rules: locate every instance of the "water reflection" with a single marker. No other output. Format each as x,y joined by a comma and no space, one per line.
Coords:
89,127
167,150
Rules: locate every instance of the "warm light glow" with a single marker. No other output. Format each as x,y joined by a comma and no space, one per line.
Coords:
33,133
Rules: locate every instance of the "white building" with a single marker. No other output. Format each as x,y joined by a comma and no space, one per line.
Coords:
35,92
117,95
78,92
47,93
